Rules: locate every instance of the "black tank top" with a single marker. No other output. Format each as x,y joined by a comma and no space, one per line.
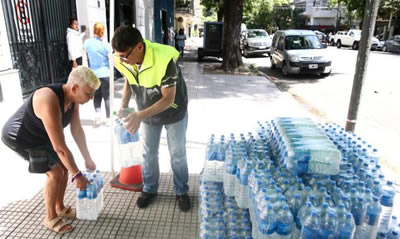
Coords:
24,130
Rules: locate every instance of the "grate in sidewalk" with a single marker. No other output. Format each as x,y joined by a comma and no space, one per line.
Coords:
120,217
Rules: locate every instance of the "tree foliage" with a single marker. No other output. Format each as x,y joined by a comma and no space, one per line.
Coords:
213,6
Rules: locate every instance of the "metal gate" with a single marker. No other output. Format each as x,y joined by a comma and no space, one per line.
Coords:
37,37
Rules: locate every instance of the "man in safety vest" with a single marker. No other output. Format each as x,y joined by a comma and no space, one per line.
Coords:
151,72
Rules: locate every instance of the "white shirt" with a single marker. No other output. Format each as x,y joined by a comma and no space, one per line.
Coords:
74,43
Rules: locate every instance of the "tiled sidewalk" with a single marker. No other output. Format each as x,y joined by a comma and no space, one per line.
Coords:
120,217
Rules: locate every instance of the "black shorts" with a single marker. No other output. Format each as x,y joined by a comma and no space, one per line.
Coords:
41,158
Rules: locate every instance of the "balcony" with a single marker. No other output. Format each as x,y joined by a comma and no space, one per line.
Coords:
184,7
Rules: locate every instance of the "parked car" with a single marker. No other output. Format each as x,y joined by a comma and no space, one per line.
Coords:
392,45
352,38
254,42
299,51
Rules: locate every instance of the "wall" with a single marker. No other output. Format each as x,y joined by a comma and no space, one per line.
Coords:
145,18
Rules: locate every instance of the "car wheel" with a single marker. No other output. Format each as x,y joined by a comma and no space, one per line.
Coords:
384,48
332,42
338,44
273,65
355,45
285,71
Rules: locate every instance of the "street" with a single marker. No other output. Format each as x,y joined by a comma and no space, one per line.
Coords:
379,113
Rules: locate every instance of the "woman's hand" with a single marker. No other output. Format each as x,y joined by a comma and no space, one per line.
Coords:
90,164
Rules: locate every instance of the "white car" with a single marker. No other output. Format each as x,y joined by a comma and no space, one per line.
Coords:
299,51
255,42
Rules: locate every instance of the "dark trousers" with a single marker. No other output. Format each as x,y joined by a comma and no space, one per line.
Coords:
103,93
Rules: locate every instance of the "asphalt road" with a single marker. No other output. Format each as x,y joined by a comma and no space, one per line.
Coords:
379,112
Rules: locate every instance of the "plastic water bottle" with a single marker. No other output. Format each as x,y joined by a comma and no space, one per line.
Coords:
311,226
346,228
284,223
369,228
241,186
387,200
81,204
87,207
230,175
328,229
266,223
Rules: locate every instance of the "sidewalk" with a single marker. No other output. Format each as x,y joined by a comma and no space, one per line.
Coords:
218,104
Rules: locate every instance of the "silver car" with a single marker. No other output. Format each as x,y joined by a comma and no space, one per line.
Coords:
255,42
299,51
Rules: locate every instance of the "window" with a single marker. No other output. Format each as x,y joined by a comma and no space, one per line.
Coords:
302,42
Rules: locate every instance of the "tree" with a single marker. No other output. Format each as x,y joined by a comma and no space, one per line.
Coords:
232,58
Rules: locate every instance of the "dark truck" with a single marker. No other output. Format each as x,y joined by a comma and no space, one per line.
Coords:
213,40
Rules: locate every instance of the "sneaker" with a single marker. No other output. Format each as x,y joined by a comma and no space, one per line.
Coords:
183,202
145,199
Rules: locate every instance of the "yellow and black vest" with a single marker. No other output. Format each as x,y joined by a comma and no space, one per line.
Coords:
146,83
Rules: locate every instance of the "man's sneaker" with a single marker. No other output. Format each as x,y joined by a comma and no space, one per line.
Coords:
145,199
183,202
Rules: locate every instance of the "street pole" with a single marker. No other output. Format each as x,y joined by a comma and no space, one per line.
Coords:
111,61
371,10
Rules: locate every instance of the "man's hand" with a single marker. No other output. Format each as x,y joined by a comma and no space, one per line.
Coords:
81,182
74,64
90,164
132,122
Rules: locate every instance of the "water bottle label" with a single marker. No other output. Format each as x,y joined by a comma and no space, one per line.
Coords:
243,179
387,200
283,229
372,219
309,233
266,229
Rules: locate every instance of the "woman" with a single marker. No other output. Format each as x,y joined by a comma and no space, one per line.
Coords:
97,51
36,133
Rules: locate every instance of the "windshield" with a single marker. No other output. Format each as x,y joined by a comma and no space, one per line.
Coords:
302,42
254,34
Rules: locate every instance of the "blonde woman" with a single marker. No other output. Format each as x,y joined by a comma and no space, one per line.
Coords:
36,133
97,51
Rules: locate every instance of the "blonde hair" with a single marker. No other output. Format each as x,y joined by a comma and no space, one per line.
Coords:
98,29
83,75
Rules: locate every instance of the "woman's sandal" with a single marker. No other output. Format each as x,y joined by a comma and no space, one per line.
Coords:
57,225
68,212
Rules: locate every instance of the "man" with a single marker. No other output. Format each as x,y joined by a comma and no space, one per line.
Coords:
36,133
74,42
151,72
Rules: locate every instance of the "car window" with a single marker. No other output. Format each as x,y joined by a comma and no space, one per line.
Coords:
254,34
302,42
351,34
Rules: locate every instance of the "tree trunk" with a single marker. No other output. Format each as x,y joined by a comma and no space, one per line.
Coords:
232,58
220,14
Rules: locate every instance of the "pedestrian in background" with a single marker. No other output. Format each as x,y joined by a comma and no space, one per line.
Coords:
180,41
36,132
74,42
97,52
152,74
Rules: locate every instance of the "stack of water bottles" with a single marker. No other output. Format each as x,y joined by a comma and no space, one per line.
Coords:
89,202
219,216
303,147
273,174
